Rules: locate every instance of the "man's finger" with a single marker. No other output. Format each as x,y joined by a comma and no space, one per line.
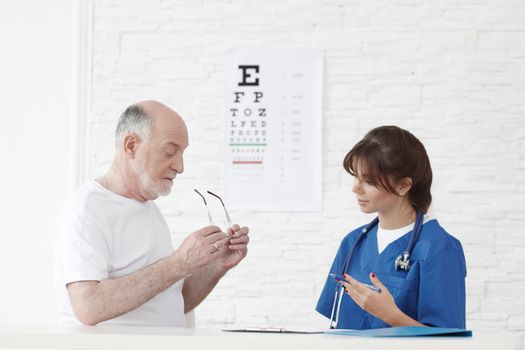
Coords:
232,230
241,231
240,240
214,237
238,247
224,241
219,246
208,230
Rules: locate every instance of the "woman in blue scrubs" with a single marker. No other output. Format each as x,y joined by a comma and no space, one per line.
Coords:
393,178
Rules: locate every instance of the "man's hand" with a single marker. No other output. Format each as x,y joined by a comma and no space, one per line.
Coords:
200,248
237,248
232,249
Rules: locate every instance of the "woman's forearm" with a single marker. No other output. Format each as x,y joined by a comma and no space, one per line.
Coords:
399,319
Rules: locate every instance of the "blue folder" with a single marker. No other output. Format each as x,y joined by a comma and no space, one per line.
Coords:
410,331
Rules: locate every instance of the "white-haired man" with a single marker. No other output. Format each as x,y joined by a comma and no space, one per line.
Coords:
114,259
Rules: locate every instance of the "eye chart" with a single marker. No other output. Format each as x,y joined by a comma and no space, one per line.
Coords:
273,129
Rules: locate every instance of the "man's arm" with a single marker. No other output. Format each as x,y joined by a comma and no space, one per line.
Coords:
201,283
97,301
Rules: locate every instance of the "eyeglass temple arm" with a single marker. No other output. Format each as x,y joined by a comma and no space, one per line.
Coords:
225,211
206,204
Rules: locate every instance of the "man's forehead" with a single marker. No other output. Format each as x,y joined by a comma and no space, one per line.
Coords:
174,143
176,135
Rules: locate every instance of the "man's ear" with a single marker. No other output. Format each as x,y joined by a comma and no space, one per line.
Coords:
131,143
404,186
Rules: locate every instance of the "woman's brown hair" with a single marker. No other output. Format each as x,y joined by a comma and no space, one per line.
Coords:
387,155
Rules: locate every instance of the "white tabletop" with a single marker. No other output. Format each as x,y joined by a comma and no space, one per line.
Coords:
104,337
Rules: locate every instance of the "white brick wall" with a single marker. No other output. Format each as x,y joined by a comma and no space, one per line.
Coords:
452,72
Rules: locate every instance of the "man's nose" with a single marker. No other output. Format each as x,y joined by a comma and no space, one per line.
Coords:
178,165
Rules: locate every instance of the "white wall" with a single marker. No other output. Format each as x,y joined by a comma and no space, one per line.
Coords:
453,72
35,110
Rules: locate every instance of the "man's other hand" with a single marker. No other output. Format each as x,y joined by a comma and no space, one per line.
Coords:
200,248
237,247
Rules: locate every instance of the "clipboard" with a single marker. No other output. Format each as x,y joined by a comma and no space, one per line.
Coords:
273,330
409,331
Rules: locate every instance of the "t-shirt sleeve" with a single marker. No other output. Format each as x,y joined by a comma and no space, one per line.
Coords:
82,251
442,290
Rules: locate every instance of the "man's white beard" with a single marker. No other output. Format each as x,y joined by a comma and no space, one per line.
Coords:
156,189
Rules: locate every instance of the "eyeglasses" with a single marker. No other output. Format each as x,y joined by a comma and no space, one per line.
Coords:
208,209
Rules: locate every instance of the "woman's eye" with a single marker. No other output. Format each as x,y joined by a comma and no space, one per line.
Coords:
367,181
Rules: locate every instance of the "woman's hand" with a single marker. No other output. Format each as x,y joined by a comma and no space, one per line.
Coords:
380,304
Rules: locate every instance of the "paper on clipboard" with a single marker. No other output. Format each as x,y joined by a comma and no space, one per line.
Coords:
273,330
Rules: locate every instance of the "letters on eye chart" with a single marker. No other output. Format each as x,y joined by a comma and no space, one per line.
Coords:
273,129
247,123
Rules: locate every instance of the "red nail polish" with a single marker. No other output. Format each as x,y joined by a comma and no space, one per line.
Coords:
373,275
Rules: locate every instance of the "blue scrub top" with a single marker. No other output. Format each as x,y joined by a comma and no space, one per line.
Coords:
431,292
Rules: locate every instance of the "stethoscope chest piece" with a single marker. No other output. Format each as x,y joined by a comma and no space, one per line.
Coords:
402,262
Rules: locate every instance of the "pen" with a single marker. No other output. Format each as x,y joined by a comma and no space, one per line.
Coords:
340,278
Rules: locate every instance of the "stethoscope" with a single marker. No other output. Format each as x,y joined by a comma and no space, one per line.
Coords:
402,262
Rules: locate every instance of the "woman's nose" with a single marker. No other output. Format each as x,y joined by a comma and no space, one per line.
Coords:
356,187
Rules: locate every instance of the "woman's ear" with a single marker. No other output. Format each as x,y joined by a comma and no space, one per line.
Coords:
404,186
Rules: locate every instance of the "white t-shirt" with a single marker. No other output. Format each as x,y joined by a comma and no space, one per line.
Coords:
385,237
100,235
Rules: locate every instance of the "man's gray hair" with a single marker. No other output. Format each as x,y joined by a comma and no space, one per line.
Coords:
134,120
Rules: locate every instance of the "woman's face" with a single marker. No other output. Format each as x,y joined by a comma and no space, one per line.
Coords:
375,199
372,199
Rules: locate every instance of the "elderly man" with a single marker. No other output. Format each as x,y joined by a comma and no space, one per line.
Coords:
114,259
